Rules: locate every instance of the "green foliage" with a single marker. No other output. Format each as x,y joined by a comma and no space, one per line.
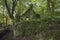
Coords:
1,18
32,26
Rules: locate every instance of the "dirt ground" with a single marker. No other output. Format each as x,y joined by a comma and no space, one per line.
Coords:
9,36
38,36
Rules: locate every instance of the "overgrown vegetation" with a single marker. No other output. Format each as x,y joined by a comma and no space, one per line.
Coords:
18,15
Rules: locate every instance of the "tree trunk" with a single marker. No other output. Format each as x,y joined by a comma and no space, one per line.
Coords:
48,6
53,6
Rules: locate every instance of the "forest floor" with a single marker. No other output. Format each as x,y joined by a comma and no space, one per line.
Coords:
38,36
9,36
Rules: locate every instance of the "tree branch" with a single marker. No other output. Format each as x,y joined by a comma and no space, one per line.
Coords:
13,6
8,8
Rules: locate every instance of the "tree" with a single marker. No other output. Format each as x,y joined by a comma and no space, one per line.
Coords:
11,9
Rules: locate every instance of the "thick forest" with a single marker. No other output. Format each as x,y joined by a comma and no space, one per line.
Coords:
29,20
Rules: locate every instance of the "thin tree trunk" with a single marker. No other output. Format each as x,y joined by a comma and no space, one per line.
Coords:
3,15
48,6
53,7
